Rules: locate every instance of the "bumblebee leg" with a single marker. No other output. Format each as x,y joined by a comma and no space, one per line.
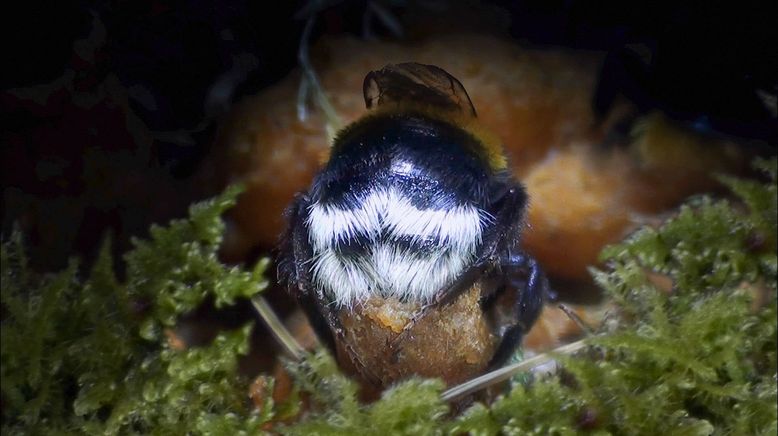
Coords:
521,274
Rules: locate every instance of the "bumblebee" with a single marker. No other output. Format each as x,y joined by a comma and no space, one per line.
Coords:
404,253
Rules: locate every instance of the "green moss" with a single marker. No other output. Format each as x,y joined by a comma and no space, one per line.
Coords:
90,357
411,408
78,357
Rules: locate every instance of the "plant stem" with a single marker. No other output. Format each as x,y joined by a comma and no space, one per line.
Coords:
506,372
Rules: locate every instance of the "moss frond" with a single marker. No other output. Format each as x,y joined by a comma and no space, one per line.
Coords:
410,408
87,356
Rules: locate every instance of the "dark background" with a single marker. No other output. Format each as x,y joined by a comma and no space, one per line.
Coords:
108,109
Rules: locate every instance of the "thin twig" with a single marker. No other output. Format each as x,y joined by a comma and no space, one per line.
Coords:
506,372
387,18
277,328
330,114
302,98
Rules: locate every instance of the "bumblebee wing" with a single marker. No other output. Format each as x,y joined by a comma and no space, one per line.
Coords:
413,83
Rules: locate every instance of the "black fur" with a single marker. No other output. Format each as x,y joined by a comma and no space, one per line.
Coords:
435,165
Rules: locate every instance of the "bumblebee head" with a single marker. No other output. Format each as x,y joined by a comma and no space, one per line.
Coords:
425,91
417,85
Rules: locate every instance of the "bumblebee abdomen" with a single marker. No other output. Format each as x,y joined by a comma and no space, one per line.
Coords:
454,343
399,210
